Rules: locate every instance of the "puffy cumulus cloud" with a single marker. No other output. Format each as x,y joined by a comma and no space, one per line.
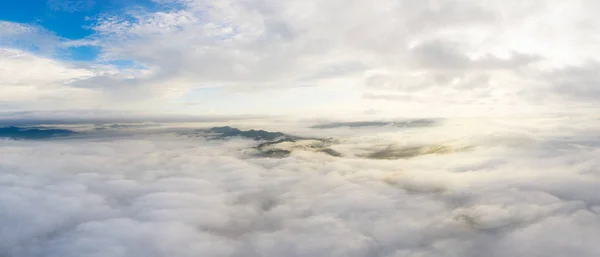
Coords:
387,56
528,188
29,81
27,36
32,78
437,57
32,82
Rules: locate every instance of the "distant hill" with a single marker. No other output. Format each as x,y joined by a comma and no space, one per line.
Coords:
252,134
228,132
33,133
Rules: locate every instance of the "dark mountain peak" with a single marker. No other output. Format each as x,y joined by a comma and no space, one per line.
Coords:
227,131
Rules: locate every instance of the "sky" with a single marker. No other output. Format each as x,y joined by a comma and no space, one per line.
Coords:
299,57
502,159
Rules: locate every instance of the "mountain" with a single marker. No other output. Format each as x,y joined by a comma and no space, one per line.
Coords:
33,133
229,132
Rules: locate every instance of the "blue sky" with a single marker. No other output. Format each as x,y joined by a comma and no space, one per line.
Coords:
66,23
71,19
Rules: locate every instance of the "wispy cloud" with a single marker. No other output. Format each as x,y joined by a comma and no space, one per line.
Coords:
70,5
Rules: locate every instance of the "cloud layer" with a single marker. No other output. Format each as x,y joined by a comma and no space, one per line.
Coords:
529,188
437,57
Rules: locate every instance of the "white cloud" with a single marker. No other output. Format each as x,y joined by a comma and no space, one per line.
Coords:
527,182
465,55
455,52
27,80
27,36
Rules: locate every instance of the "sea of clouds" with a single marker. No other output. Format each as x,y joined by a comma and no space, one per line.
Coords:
517,187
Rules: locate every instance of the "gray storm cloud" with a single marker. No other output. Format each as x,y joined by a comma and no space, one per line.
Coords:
527,188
